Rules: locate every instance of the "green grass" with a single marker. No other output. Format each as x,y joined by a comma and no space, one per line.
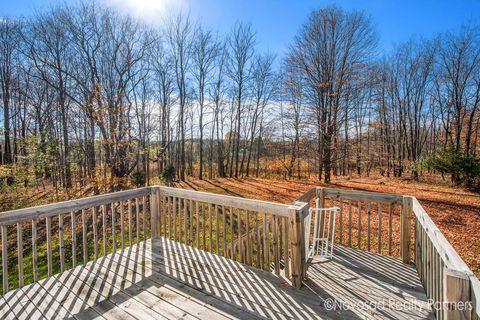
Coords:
42,258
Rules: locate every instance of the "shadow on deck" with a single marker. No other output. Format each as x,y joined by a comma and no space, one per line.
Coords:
165,279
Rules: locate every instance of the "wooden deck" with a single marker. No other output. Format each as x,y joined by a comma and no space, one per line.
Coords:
165,279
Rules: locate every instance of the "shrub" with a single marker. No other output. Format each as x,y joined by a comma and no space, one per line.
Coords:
138,178
168,174
462,168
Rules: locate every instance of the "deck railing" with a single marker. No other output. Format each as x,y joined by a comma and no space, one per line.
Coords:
263,234
49,235
399,226
41,241
57,237
444,275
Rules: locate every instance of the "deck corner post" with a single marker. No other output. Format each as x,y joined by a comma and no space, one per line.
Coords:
456,293
320,199
298,268
405,229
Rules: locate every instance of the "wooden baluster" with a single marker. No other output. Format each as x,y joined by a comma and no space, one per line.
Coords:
104,221
137,221
247,232
95,233
185,221
390,229
429,269
232,236
266,243
154,199
20,254
340,227
171,214
74,239
122,224
434,296
422,256
144,218
359,229
114,233
280,238
438,281
287,248
418,240
191,221
165,216
379,227
130,224
197,214
49,245
257,242
168,223
240,244
204,223
416,245
159,205
276,257
179,216
4,259
84,234
349,223
34,250
61,238
217,231
210,227
368,225
174,218
224,247
160,214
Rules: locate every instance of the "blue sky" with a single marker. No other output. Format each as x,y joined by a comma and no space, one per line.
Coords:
277,21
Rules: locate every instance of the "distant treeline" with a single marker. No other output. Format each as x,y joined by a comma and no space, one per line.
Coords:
89,94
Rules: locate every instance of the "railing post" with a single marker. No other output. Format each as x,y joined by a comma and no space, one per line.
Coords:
405,229
457,303
297,243
320,200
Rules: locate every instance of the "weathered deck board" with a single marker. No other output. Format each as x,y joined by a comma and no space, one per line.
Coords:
162,279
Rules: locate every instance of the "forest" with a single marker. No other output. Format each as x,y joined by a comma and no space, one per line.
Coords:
93,97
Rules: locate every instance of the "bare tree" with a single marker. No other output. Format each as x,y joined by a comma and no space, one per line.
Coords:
164,79
331,47
179,35
264,83
9,41
205,51
241,51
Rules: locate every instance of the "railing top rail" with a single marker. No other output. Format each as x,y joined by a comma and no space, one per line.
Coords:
352,195
236,202
307,196
362,195
447,252
48,210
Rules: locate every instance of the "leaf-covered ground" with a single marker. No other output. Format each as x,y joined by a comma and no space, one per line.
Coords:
455,211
